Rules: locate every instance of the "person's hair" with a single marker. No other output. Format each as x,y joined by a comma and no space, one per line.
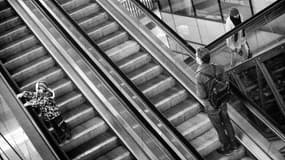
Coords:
206,59
234,12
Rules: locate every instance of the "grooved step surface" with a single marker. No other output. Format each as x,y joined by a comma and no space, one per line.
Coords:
94,147
182,111
28,62
85,132
107,34
134,61
123,50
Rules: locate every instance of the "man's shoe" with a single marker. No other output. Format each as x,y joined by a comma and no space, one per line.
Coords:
224,151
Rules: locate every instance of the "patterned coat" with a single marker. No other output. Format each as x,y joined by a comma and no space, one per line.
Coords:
44,102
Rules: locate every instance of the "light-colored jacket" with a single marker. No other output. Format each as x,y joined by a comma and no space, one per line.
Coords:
230,41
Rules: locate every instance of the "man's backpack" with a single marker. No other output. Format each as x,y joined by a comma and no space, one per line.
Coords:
218,89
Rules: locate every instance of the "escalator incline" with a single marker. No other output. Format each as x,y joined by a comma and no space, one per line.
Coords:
28,61
163,91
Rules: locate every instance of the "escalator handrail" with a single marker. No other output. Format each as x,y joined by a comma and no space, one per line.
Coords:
141,95
257,19
190,50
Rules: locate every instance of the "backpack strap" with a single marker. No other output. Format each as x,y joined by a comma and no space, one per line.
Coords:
209,75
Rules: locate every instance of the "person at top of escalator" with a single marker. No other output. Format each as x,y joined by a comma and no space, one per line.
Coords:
43,101
205,75
237,43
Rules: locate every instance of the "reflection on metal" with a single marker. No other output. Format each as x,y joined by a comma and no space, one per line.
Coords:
260,85
238,82
263,56
135,11
272,86
251,138
172,34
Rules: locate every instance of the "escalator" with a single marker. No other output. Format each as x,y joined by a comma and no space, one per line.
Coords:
27,61
162,90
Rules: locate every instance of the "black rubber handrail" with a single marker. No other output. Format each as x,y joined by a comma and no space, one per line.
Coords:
126,79
190,50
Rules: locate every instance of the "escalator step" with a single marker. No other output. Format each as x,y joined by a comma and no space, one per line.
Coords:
79,115
9,23
49,76
62,87
17,46
169,98
195,126
112,40
182,111
27,56
134,61
71,5
84,11
33,68
13,34
70,100
6,13
84,133
95,147
123,50
93,20
145,73
119,153
102,30
207,142
157,85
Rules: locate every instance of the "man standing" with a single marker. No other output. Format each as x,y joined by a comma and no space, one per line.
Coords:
217,114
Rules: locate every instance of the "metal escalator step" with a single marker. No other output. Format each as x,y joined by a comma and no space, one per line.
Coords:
157,85
33,68
13,34
145,73
84,11
182,111
70,5
119,153
84,133
17,46
27,56
112,40
6,13
62,87
9,23
49,76
195,126
102,30
80,114
91,150
169,98
70,100
87,23
134,61
206,143
123,50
